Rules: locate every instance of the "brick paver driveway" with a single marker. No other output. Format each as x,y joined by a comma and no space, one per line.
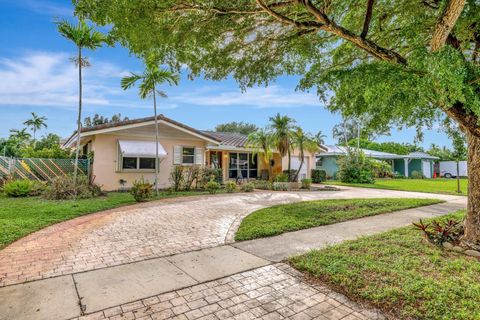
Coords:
146,231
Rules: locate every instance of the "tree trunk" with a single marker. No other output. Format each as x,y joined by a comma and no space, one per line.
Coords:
299,168
79,122
289,154
157,163
472,222
445,23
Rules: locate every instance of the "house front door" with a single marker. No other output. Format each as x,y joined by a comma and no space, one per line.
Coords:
215,159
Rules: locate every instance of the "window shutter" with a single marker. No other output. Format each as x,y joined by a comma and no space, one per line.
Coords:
198,156
177,155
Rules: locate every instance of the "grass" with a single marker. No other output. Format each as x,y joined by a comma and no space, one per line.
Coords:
302,215
21,216
399,272
447,186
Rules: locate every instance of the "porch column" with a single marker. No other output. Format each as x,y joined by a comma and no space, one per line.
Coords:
406,167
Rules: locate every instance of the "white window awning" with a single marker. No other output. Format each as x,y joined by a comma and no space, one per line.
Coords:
136,148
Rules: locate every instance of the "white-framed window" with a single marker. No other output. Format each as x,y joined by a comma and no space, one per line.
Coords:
319,162
187,155
137,163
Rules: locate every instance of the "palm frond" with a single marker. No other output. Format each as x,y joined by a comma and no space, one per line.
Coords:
129,81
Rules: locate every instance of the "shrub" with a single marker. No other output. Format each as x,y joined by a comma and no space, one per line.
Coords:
381,169
37,188
290,175
248,187
281,186
438,233
208,174
230,186
417,175
262,184
190,174
355,168
176,178
398,175
62,188
318,175
141,190
212,186
283,177
18,188
306,183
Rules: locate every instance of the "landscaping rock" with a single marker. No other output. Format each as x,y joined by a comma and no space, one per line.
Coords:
448,245
473,253
457,249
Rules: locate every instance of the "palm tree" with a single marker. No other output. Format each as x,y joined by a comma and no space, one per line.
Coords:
35,123
84,37
304,142
261,141
150,79
320,137
21,135
281,127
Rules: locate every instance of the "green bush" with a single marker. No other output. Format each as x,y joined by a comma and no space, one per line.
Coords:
18,188
37,188
417,175
355,167
281,186
176,178
230,186
212,186
190,174
381,169
248,187
318,175
62,188
283,177
262,184
306,183
209,174
290,175
141,190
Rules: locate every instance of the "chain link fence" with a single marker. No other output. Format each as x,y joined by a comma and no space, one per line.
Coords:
40,169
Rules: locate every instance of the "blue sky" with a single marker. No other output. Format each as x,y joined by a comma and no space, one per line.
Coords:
37,76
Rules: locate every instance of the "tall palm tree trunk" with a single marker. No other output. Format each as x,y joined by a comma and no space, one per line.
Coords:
299,168
157,163
79,120
289,153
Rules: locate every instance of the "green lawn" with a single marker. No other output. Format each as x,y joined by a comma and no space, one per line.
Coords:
21,216
399,272
302,215
448,186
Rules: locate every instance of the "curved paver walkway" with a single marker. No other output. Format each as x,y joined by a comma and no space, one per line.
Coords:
148,231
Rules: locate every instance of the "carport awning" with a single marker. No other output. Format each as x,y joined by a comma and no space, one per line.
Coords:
135,148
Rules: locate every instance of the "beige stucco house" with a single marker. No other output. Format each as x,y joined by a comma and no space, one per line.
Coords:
124,152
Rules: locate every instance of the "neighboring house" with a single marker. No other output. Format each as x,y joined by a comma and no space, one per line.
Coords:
125,151
401,164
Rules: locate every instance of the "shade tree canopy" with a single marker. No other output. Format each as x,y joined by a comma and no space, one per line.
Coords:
395,62
236,127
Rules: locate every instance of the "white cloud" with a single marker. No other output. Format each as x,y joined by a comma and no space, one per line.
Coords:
50,79
47,8
270,97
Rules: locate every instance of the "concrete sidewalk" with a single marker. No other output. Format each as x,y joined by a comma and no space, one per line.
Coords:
94,292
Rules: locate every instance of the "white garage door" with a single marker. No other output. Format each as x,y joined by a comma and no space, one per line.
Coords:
426,169
296,164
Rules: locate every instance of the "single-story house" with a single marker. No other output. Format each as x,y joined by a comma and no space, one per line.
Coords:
125,151
401,164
